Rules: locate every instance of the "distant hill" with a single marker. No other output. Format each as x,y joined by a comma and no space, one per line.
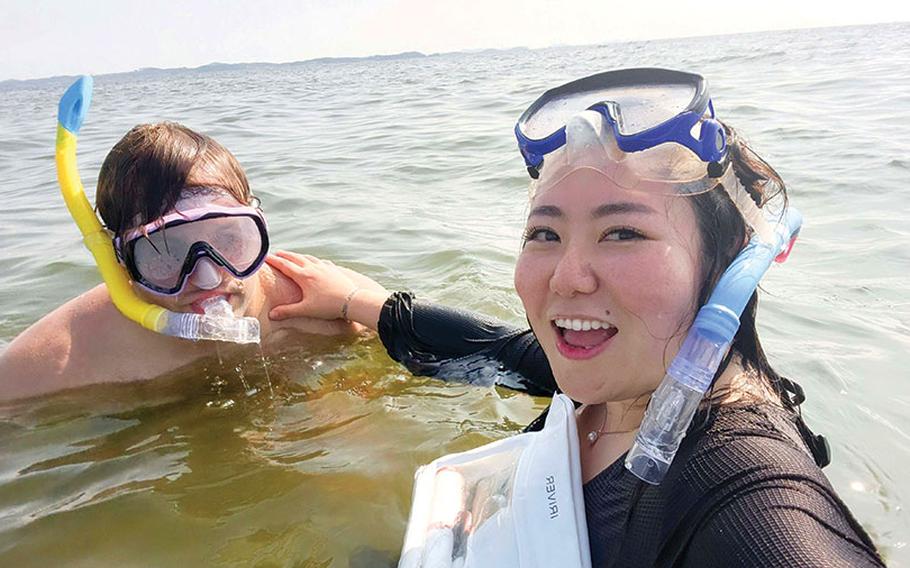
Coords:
215,66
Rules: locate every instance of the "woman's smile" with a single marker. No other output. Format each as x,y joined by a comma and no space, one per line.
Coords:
582,338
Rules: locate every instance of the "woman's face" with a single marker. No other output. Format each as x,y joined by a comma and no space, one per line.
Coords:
620,265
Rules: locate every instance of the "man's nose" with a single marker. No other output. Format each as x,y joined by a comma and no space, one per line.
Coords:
206,275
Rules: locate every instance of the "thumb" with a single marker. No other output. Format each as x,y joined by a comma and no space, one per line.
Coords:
286,311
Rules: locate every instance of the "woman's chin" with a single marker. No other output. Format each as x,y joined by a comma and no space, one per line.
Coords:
592,387
586,391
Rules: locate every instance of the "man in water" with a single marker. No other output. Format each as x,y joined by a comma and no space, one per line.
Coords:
188,230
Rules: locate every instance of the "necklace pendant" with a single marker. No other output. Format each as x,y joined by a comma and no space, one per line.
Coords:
592,437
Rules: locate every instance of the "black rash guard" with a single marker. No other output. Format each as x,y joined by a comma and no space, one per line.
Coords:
744,489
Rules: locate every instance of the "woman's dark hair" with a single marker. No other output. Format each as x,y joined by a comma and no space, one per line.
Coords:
723,233
143,174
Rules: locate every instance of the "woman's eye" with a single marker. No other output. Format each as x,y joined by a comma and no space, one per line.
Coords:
621,234
540,234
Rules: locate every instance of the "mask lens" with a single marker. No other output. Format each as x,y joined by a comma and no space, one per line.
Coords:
236,239
634,108
644,107
160,256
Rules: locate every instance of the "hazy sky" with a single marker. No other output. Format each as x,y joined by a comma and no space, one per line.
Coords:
39,38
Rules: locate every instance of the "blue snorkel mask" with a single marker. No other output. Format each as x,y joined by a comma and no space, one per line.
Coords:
644,108
654,130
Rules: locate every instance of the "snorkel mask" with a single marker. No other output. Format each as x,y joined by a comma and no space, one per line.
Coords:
644,108
654,130
218,322
198,236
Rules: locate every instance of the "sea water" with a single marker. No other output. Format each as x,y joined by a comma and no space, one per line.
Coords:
406,169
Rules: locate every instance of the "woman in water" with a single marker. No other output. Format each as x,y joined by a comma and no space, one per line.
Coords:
622,247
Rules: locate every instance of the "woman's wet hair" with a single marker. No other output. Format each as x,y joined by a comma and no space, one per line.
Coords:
143,174
723,234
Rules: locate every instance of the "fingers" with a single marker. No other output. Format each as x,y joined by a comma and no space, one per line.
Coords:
286,311
286,267
302,259
296,258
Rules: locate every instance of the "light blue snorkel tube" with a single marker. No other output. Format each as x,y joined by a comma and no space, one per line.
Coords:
690,374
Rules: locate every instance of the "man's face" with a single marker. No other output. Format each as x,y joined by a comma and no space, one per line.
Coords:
161,254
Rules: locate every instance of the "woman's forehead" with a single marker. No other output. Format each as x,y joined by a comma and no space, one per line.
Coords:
589,189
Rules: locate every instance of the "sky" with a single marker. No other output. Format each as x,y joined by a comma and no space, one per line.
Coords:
41,38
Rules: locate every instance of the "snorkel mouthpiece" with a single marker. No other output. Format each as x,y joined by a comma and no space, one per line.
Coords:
690,374
219,325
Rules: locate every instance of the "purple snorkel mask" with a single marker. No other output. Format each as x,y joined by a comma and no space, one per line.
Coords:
161,255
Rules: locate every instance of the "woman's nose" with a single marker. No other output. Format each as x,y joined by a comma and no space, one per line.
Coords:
206,275
573,274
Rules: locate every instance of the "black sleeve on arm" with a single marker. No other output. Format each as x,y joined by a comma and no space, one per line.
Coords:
453,344
782,522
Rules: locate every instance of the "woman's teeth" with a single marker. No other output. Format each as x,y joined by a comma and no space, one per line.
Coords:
582,325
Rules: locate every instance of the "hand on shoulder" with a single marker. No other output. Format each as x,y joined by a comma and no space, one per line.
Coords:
328,291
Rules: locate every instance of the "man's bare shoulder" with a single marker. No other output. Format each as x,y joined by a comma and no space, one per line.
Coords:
84,341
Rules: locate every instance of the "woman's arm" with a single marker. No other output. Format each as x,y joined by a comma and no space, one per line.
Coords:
429,339
439,341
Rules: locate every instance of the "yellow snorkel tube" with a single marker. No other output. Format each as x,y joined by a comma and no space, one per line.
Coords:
72,110
217,324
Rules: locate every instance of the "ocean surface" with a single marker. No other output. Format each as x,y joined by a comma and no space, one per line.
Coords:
407,170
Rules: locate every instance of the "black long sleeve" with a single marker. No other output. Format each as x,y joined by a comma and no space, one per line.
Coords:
453,344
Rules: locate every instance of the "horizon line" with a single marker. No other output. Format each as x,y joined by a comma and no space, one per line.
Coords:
418,54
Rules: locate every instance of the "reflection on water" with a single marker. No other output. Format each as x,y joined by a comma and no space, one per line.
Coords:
207,467
407,170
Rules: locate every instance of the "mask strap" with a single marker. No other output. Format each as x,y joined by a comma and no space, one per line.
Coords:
753,216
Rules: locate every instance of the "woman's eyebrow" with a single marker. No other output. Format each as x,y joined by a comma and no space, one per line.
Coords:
546,211
602,211
621,207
